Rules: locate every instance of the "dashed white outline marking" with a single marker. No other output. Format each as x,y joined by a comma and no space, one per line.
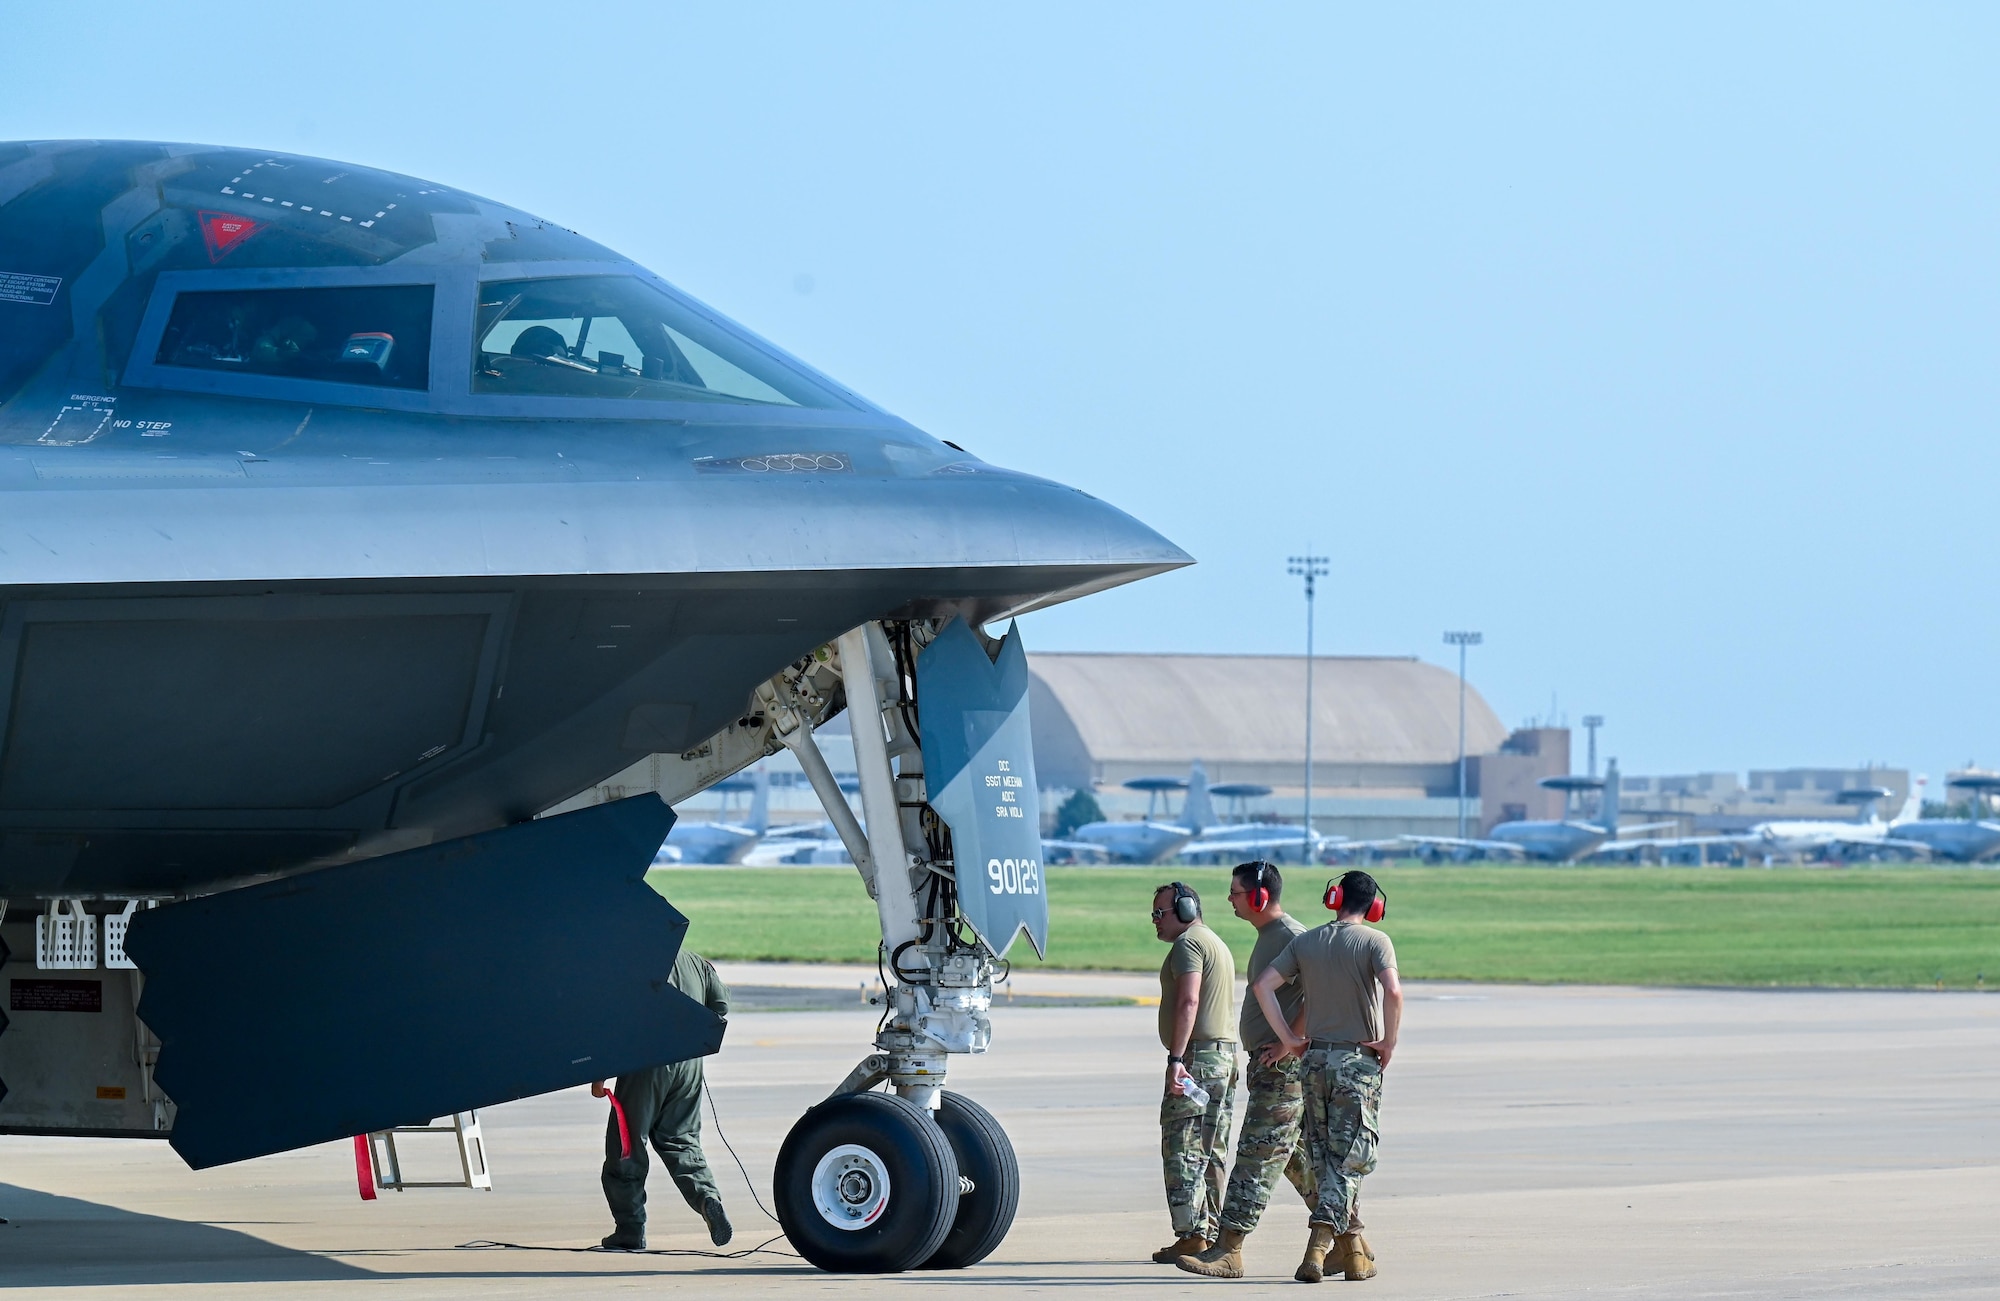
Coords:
302,207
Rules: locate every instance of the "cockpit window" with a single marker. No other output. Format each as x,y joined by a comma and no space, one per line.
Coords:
377,335
616,337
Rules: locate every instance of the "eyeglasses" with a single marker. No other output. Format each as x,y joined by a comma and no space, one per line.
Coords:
1160,912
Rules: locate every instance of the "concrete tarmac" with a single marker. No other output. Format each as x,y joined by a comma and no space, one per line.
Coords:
1544,1142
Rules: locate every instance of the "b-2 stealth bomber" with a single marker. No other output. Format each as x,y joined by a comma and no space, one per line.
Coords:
348,522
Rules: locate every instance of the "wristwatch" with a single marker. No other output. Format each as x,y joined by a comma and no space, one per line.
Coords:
1172,1058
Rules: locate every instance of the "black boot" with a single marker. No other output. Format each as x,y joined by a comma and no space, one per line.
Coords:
719,1231
626,1237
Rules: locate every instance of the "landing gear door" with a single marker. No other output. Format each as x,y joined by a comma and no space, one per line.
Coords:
979,764
383,993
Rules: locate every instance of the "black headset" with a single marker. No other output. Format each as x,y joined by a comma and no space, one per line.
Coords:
1186,907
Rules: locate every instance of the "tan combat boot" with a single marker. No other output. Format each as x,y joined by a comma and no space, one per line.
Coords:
1191,1244
1223,1260
1313,1268
1354,1257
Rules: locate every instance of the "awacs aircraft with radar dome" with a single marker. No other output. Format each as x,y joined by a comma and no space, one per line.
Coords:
351,521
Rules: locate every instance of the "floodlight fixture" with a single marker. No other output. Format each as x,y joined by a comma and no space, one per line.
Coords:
1591,722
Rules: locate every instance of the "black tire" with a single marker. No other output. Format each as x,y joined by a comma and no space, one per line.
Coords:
886,1139
986,1157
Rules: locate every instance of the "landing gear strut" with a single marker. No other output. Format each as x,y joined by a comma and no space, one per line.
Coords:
917,1177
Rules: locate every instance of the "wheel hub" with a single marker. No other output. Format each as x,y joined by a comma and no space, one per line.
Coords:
850,1187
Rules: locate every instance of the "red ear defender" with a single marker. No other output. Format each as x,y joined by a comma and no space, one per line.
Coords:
1260,894
1377,910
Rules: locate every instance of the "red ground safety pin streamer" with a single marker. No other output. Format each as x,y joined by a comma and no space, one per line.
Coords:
364,1168
624,1130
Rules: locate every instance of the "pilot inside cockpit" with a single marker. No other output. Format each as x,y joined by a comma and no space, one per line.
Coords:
348,335
281,345
618,337
539,341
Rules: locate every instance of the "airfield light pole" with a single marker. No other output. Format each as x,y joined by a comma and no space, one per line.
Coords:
1309,568
1461,640
1591,722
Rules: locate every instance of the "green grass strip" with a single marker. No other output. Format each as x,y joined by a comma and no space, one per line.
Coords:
1889,928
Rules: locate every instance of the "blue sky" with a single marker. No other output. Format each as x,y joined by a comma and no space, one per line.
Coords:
1656,344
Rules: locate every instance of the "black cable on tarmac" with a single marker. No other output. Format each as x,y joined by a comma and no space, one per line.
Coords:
762,1248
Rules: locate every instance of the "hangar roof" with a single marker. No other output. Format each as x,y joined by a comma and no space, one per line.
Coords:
1248,709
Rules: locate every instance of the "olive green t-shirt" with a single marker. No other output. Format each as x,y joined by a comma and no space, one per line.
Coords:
1272,938
1337,966
1199,949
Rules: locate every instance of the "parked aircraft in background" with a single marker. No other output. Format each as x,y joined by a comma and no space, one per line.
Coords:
1563,841
721,842
1144,841
797,844
1243,840
1276,842
1963,840
1803,837
1123,842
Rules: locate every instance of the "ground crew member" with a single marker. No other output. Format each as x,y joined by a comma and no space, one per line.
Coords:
662,1105
1197,985
1273,1100
1353,1012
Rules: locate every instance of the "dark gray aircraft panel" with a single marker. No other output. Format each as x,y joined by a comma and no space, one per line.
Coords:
385,993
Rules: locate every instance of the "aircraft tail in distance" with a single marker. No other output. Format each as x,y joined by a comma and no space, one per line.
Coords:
1607,800
1197,810
1913,807
760,801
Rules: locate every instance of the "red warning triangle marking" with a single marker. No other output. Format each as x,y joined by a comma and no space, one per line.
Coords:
223,231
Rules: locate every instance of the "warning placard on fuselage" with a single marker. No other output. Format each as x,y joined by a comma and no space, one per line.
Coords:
979,762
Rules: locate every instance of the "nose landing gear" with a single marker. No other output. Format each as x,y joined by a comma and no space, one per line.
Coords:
867,1184
989,1178
919,1177
870,1183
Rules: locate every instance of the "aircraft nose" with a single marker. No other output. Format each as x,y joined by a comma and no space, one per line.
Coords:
1086,528
1086,543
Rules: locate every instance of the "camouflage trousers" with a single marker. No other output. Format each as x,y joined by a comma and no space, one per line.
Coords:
1343,1097
1269,1142
1194,1143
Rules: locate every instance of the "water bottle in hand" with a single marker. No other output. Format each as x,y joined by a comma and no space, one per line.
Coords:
1194,1093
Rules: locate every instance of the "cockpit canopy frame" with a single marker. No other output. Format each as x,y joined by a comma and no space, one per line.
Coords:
453,350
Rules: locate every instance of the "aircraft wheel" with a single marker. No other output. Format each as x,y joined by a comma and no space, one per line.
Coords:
866,1184
987,1159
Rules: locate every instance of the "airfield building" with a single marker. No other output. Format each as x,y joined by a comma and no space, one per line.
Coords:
1385,734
